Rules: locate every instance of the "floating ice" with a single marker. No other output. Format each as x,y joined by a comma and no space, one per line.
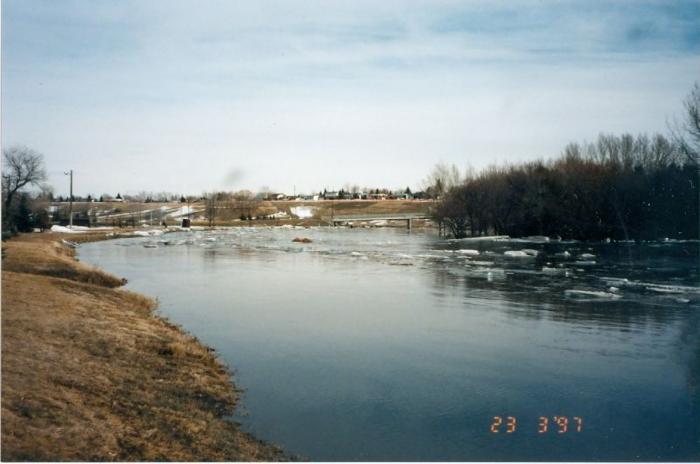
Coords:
590,294
476,239
482,263
552,270
538,238
517,254
468,252
147,233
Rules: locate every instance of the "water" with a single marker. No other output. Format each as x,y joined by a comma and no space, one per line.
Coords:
388,345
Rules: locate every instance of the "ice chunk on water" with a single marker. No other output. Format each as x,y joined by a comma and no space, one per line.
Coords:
553,270
147,233
537,238
476,239
468,252
517,254
591,294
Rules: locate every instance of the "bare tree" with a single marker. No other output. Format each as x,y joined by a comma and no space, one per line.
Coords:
442,178
211,205
22,166
687,133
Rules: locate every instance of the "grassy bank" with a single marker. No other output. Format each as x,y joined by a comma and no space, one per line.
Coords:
90,373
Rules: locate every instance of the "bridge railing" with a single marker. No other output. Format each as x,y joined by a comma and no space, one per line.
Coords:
377,216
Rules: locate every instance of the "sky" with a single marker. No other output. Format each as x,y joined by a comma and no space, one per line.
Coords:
202,95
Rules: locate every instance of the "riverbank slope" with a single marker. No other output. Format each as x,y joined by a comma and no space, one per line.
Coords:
90,373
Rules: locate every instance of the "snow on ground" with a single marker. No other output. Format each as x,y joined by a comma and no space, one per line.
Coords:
76,229
183,211
302,212
109,215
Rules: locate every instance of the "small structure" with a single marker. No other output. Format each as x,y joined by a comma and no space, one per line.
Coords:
186,222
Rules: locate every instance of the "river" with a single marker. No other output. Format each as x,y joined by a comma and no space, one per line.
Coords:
385,344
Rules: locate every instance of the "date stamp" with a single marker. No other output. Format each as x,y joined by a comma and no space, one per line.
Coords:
544,424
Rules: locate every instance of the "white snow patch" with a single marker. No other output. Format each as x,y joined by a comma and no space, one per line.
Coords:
183,211
302,212
76,229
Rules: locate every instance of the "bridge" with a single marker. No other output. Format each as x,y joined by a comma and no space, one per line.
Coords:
408,217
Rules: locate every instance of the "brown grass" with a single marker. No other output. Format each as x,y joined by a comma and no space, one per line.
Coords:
89,373
53,259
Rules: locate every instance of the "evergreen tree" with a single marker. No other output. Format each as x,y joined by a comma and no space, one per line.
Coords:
23,215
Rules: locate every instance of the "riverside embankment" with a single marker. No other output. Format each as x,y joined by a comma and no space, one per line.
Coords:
89,372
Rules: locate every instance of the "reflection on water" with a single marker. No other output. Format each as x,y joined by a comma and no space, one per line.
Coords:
383,344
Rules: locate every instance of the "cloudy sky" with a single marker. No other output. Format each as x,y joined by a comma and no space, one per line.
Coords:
191,96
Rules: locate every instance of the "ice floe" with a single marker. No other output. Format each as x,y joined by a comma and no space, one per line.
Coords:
591,294
468,252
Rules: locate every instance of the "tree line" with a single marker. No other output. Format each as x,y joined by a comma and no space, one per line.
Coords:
620,187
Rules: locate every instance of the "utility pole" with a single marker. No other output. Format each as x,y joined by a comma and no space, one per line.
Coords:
70,207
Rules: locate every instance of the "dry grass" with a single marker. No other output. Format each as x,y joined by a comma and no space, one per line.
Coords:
52,259
89,373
